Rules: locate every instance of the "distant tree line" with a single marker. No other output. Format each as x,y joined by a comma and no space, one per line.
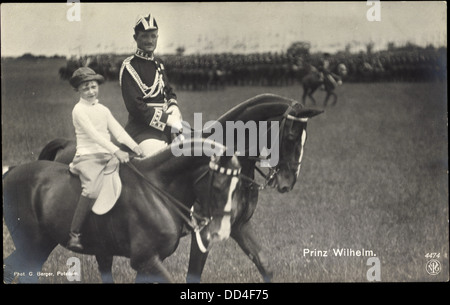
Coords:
33,57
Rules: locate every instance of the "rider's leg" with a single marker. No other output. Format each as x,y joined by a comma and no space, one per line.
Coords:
84,206
90,169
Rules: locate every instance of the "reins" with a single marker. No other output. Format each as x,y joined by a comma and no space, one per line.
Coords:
273,171
267,178
197,222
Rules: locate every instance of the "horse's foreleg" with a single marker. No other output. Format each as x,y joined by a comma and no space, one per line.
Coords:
330,93
335,99
327,97
310,94
245,238
312,98
105,268
26,261
23,266
197,260
152,271
305,94
16,269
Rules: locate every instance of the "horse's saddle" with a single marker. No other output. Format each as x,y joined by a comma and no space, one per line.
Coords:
110,190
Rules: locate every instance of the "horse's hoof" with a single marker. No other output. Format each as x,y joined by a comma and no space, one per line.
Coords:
268,277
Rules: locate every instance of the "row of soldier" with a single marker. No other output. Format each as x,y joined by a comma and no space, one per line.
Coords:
217,71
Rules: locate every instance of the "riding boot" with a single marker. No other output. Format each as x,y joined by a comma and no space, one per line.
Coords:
84,206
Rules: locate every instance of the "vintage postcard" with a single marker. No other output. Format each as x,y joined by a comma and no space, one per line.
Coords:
229,142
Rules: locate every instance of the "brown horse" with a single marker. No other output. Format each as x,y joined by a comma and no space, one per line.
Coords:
145,224
292,118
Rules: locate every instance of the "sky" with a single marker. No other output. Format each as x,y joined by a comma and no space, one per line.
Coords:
202,27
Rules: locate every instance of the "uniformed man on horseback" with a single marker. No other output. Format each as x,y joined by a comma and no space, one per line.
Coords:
330,80
324,68
149,99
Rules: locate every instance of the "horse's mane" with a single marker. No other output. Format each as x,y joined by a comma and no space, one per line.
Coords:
264,101
166,156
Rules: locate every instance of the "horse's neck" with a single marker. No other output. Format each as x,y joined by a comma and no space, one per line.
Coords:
172,175
165,163
155,161
261,107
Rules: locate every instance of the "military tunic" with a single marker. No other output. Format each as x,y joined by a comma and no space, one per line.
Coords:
147,95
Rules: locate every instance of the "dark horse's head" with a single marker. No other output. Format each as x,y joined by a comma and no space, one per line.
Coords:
216,197
292,142
292,118
205,176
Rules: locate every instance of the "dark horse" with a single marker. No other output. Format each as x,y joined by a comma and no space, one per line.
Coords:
312,81
145,224
292,118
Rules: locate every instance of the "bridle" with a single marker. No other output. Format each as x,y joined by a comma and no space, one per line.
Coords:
213,169
286,121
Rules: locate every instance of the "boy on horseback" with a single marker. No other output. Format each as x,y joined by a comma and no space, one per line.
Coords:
149,99
94,124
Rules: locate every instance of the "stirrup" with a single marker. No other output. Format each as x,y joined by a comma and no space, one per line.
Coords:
75,235
74,243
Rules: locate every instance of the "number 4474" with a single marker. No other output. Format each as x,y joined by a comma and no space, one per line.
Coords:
433,255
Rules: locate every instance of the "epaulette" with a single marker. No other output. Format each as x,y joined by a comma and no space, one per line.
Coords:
124,63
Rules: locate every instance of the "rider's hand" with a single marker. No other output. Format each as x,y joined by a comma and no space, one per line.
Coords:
122,156
174,122
138,150
175,111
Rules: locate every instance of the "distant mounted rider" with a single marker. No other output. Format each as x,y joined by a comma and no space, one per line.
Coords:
330,80
149,99
324,66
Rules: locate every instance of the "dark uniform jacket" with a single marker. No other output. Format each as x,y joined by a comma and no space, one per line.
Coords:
147,95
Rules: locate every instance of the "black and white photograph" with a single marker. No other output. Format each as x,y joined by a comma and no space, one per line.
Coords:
224,143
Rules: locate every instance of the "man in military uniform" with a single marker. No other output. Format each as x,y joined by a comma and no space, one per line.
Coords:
149,99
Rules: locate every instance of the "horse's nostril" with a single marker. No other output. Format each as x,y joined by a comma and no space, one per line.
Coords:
215,237
284,189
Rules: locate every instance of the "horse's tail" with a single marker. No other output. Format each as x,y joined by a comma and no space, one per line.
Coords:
51,149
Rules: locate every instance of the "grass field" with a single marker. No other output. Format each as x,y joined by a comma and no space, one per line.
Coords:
374,177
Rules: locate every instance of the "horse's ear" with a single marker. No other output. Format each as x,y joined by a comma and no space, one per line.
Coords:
308,113
235,161
215,158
